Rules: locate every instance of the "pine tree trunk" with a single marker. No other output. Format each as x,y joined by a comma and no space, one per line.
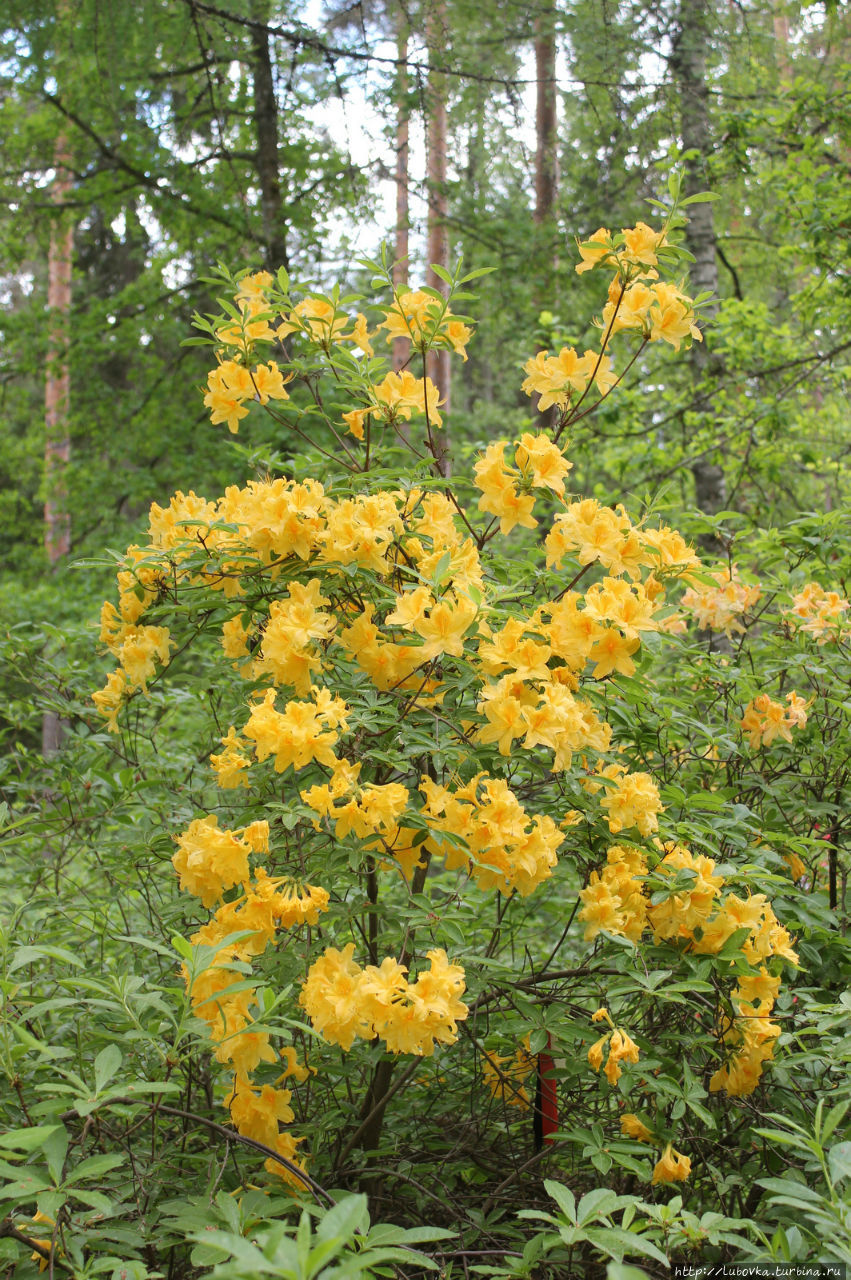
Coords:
57,389
57,392
546,157
546,163
781,41
689,65
437,365
401,346
266,129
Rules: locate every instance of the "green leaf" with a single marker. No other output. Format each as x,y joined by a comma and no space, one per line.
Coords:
563,1197
441,273
344,1219
839,1161
106,1065
28,1139
596,1204
55,1148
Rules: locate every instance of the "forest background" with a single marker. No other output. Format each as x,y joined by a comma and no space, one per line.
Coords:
145,143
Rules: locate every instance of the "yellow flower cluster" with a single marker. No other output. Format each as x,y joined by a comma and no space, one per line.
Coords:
136,648
230,384
491,835
748,1036
635,247
280,527
764,720
345,1002
321,321
661,311
506,1077
365,810
620,1049
395,399
671,1166
549,716
693,913
425,321
614,899
230,764
294,628
418,316
302,733
818,612
594,533
540,464
560,379
632,799
252,324
210,862
720,606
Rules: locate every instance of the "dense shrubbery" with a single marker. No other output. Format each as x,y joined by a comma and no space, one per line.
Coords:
500,861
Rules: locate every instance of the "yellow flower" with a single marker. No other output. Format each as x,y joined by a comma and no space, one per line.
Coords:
594,249
672,1166
229,764
209,860
331,997
595,1053
110,699
287,1147
545,460
292,1066
445,626
500,496
304,732
641,244
632,1127
138,651
505,1077
269,382
612,652
360,335
256,1115
318,319
555,378
621,1048
633,801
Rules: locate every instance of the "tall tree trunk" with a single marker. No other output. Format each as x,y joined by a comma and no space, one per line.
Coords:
438,367
57,391
546,161
266,129
781,40
546,158
689,65
401,346
57,388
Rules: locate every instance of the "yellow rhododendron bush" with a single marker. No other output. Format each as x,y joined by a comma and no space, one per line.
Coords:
434,841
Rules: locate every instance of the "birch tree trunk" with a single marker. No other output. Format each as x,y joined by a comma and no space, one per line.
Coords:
437,365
